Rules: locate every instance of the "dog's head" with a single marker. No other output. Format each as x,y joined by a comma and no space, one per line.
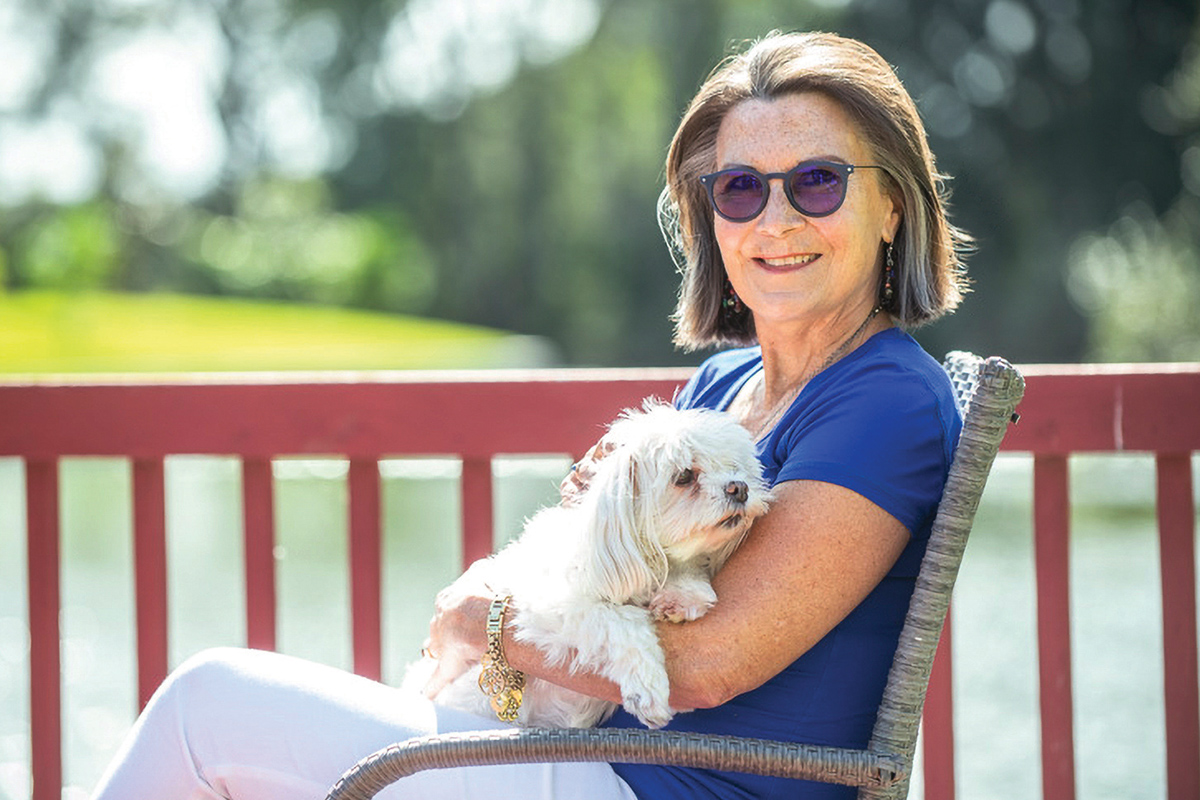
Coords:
678,486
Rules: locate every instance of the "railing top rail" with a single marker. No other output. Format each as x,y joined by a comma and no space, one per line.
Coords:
1109,408
477,413
526,375
474,414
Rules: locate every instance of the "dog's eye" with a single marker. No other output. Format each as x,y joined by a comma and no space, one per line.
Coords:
685,477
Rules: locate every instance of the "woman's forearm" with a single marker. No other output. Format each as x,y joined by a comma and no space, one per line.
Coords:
530,660
460,626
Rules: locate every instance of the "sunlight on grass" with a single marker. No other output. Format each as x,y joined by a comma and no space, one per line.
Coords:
51,332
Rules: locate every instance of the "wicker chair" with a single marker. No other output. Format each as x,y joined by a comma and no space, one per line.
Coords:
988,392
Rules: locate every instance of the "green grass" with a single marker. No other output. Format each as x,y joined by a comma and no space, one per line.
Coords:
43,332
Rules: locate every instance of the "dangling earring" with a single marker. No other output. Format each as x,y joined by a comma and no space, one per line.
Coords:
889,272
732,303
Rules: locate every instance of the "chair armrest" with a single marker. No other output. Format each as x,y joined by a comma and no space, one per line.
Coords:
614,745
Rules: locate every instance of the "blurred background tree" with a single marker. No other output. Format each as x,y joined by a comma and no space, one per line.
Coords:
497,161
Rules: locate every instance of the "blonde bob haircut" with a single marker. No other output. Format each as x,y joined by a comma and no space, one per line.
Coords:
929,276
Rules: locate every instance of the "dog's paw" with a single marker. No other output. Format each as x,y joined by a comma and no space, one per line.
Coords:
653,712
646,690
682,603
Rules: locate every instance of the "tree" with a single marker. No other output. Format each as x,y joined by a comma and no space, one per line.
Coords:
1139,281
498,162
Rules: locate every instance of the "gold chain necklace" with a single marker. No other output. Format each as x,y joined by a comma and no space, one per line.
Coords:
784,402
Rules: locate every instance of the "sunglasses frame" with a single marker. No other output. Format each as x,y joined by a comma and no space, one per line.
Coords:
841,169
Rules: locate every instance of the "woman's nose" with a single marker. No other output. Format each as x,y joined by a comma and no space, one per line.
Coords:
737,491
779,213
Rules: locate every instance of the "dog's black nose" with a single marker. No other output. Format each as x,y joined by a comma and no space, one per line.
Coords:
738,491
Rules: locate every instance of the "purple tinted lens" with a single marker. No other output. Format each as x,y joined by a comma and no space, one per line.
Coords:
739,195
816,190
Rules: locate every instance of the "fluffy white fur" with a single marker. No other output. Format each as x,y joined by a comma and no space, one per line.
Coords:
660,515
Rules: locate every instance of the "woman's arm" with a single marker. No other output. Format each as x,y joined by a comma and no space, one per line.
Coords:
806,564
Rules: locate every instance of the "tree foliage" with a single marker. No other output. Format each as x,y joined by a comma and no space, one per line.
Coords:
498,161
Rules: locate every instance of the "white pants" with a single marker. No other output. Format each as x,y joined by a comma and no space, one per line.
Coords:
246,724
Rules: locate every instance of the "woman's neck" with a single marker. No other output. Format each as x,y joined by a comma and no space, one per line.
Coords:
793,354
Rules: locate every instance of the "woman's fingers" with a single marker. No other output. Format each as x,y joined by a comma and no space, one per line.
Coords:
576,483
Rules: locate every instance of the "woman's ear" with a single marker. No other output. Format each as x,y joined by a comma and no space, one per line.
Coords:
894,214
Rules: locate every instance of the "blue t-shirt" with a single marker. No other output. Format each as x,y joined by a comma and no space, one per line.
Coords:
882,422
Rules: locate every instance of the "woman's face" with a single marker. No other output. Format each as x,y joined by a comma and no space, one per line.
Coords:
786,267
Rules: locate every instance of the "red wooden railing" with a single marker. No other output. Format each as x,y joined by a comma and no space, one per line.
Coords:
476,416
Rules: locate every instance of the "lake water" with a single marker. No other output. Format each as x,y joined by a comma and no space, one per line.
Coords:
1116,606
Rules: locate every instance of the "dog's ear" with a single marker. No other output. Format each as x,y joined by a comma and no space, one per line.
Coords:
624,559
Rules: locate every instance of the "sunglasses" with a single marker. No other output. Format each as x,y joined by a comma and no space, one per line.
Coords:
814,188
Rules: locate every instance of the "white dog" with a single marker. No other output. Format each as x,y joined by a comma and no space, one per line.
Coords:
663,510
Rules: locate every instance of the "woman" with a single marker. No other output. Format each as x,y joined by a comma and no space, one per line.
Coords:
803,200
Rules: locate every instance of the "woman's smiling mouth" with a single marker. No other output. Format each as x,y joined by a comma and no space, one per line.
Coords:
788,261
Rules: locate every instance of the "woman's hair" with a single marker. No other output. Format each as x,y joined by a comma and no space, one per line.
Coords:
929,277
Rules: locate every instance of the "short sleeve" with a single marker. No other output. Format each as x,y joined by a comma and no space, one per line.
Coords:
718,379
882,431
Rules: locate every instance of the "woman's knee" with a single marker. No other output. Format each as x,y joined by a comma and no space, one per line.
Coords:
210,676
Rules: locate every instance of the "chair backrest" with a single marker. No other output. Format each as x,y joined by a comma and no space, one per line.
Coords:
987,392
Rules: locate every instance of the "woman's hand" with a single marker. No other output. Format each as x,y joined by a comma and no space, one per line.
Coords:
576,483
457,631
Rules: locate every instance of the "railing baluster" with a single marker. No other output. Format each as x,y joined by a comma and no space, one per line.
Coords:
45,685
365,567
1051,525
258,516
938,723
150,571
1177,531
476,509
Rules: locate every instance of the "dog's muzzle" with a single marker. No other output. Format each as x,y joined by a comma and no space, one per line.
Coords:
737,491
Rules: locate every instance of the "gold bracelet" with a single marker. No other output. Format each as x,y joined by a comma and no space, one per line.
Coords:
500,682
